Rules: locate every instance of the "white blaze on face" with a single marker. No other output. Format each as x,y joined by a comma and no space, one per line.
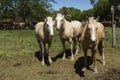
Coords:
93,38
58,24
50,27
50,24
59,21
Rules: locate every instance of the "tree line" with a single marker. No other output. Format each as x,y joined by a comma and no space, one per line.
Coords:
37,10
24,10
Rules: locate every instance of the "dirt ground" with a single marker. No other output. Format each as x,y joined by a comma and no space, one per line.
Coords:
28,67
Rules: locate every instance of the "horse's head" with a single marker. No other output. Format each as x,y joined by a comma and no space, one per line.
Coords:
59,21
92,29
49,24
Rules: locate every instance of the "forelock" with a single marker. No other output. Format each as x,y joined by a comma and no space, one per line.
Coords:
59,14
49,19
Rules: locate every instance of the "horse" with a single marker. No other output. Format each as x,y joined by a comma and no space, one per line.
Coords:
21,25
107,23
44,32
92,38
6,25
68,31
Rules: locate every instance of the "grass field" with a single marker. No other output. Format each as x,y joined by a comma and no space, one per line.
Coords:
19,59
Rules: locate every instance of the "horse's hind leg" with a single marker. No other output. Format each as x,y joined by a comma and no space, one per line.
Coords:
101,51
71,49
63,44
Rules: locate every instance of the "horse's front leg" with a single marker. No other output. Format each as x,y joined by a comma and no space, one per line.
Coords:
103,56
78,44
85,60
49,58
94,60
42,46
101,51
75,47
71,49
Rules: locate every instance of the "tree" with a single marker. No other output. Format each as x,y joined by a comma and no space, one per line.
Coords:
115,2
86,13
70,13
24,9
6,9
102,9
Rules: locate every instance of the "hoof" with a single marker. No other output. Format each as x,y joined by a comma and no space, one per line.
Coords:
63,58
76,53
103,63
95,71
50,61
84,69
43,63
72,58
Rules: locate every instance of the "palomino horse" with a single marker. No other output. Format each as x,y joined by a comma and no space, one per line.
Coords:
44,33
68,31
93,38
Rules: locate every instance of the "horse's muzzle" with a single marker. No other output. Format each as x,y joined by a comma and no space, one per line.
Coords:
51,36
94,42
57,29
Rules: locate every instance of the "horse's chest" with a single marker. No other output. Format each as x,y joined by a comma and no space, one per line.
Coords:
75,34
88,44
66,34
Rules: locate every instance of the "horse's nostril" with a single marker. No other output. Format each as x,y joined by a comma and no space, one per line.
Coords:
51,35
93,42
57,29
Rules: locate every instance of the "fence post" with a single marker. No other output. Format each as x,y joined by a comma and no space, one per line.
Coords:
4,40
113,27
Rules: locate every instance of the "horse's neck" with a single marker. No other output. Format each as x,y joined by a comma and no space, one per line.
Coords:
45,29
84,33
65,23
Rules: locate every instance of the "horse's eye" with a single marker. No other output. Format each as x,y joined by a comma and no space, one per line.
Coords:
47,25
96,28
55,20
89,29
61,21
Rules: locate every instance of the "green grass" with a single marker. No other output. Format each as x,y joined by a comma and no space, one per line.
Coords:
17,42
108,39
19,62
22,42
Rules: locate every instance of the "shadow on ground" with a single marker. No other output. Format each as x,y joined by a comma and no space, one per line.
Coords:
38,55
60,55
79,64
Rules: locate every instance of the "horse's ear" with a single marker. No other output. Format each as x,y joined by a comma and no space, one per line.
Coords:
45,19
52,17
87,19
98,18
54,23
63,16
